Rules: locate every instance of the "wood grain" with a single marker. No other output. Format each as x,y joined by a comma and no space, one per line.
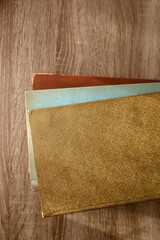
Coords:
116,38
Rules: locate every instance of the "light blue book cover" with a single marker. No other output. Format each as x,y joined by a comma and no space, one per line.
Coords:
59,97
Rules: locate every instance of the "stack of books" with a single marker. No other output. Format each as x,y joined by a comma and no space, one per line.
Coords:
93,142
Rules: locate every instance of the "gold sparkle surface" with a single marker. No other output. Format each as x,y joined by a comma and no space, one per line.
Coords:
97,154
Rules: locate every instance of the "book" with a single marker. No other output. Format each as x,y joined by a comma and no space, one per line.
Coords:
50,81
97,154
59,97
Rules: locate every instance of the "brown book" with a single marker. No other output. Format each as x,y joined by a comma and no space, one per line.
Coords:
97,154
51,81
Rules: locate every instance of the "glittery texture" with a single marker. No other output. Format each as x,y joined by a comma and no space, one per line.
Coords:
61,97
97,154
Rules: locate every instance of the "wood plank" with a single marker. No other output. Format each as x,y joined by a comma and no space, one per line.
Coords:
102,38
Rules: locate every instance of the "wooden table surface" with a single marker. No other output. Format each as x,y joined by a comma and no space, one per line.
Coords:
119,38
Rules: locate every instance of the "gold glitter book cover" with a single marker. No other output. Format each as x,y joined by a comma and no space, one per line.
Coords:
97,154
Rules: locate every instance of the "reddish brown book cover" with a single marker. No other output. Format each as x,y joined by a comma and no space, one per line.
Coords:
51,81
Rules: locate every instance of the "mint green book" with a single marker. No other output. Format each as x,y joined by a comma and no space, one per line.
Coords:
59,97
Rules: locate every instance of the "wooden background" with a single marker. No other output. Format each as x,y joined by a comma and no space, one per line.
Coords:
119,38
